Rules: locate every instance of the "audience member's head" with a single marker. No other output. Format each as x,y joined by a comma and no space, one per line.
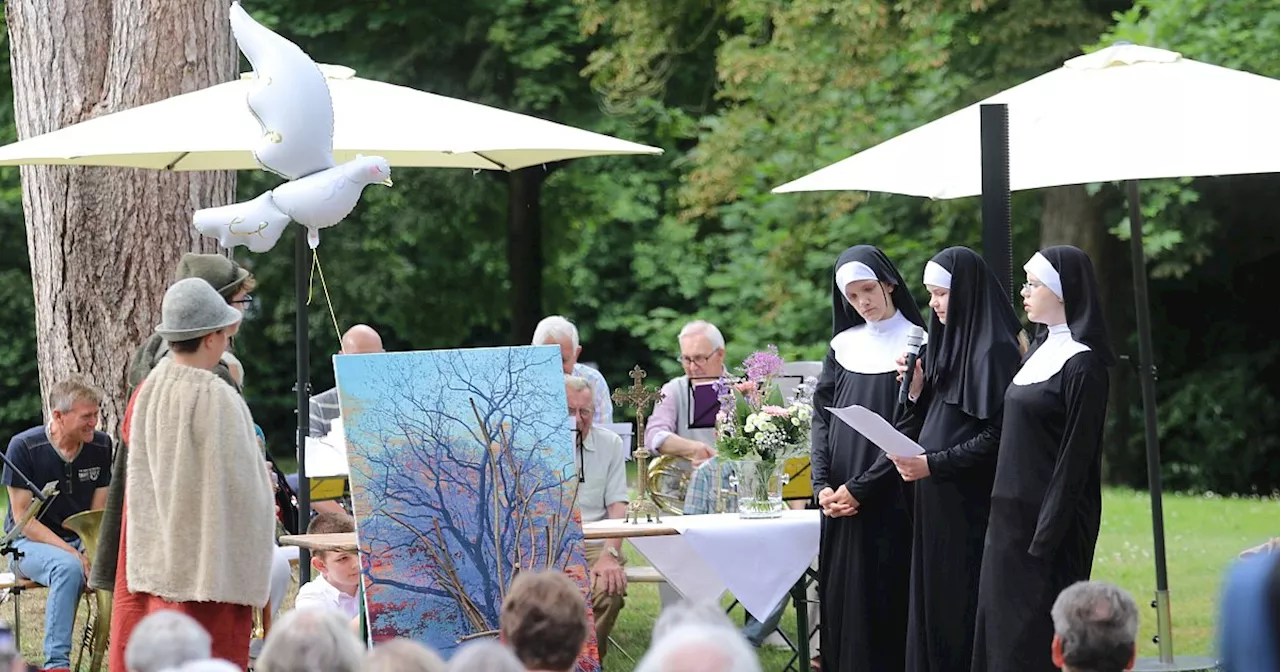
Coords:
1249,617
164,640
361,339
485,656
312,640
685,612
556,330
544,620
700,648
210,665
402,655
1095,628
341,569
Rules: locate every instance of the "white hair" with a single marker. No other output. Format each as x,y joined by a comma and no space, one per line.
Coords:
166,639
576,383
706,329
706,648
234,366
210,665
686,613
485,656
311,640
555,328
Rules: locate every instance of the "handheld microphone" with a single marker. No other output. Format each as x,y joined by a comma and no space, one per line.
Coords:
915,338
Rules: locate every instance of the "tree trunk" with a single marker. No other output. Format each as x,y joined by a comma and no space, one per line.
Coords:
524,249
104,241
1071,217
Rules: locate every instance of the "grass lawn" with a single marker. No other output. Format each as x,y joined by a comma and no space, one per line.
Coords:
1203,534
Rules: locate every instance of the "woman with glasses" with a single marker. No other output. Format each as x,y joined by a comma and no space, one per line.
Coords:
865,548
1046,504
972,356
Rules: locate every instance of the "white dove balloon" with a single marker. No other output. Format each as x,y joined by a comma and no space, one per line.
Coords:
292,104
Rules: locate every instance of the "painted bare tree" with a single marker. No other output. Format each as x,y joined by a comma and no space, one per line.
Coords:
104,241
461,477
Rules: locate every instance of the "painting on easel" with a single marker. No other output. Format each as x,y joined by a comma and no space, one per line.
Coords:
462,474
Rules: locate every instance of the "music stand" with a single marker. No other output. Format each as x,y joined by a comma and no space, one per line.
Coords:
38,501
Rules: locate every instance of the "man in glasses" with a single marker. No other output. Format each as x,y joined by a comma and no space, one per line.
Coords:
669,430
602,493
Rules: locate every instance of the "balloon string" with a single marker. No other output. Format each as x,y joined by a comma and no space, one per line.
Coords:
317,269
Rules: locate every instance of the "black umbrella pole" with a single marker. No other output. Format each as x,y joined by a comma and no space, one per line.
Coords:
1147,378
303,389
997,243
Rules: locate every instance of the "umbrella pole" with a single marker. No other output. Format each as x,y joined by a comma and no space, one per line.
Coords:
303,388
1147,376
997,244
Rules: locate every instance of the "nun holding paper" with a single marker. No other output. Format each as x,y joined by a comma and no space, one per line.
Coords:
971,358
1046,503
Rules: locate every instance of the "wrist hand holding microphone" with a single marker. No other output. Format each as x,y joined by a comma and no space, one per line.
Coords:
915,338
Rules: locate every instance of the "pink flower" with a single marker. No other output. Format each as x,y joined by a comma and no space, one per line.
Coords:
776,410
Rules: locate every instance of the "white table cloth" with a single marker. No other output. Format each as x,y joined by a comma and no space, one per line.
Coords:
756,560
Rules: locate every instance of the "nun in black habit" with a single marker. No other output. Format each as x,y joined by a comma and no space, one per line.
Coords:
972,355
865,549
1046,504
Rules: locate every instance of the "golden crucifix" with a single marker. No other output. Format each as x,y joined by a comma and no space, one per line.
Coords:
640,397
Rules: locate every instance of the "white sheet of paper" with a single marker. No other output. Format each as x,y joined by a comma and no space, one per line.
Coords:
327,456
878,430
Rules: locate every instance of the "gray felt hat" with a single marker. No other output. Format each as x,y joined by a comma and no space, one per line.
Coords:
192,308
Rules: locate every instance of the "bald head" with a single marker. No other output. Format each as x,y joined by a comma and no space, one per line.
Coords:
361,340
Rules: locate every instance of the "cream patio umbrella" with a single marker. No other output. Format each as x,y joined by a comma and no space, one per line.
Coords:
212,129
1123,113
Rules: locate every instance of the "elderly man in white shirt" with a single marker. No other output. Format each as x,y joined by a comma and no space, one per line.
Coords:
556,330
602,493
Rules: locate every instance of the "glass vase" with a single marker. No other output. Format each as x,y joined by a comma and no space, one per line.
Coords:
758,485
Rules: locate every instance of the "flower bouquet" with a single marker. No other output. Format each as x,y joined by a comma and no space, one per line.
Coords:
757,431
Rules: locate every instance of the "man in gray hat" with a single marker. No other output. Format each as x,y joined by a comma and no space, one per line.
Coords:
200,515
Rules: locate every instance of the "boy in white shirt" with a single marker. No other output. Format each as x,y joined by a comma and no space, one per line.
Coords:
337,587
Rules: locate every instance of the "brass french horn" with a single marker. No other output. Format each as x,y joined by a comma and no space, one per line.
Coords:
669,481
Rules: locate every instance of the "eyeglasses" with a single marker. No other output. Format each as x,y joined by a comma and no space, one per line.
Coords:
246,299
584,413
1028,287
690,360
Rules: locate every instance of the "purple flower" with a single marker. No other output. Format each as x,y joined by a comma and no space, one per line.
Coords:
724,389
763,364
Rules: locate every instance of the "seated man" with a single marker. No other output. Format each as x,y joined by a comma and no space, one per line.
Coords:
72,452
1095,628
338,586
556,330
544,621
602,493
668,431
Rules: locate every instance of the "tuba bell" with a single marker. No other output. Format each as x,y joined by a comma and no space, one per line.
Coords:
87,525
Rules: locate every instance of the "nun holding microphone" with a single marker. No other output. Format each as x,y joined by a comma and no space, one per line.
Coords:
956,409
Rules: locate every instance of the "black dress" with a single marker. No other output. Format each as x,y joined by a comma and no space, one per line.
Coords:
951,509
969,364
864,559
1046,507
